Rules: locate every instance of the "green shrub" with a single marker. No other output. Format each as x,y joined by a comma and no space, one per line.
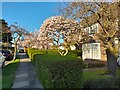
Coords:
32,52
75,52
102,83
55,71
52,52
91,63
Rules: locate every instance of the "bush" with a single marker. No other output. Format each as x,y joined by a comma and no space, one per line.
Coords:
102,83
108,83
91,63
55,71
75,52
32,52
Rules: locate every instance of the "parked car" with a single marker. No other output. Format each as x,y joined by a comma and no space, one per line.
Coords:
7,54
2,60
21,50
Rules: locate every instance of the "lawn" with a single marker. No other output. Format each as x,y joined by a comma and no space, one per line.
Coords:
56,57
93,74
8,74
0,79
118,72
94,79
90,74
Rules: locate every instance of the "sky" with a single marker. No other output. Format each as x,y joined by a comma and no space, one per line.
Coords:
29,15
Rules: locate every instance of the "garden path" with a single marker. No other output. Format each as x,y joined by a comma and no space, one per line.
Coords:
25,76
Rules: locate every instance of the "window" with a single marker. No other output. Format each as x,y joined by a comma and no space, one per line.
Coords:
91,50
92,30
95,28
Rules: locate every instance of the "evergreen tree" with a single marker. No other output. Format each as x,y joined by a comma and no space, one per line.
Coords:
5,32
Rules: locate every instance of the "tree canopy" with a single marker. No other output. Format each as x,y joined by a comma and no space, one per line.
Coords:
5,32
58,28
106,14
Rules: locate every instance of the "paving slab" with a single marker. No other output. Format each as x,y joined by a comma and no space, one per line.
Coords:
20,84
21,75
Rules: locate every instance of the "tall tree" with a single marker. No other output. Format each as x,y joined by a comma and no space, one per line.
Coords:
104,13
31,40
58,28
5,32
17,32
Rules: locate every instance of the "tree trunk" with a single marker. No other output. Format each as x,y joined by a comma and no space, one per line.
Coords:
15,43
15,51
111,63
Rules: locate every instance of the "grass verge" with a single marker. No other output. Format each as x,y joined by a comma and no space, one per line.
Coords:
8,74
89,74
93,79
118,72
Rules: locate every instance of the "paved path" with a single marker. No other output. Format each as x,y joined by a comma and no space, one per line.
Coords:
25,75
93,69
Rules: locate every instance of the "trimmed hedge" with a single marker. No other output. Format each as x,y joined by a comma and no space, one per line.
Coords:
102,83
55,71
92,63
75,53
31,52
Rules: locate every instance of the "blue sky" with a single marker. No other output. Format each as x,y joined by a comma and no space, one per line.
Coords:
30,15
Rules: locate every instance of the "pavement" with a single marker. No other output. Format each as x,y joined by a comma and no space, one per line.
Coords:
25,76
93,69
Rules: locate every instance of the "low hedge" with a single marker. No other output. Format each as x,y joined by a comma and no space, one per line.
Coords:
55,71
92,63
102,83
31,52
75,53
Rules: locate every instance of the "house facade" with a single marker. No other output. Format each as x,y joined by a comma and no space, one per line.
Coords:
94,49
